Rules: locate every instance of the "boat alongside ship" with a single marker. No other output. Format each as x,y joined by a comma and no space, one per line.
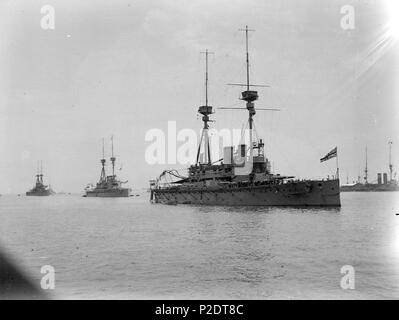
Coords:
243,177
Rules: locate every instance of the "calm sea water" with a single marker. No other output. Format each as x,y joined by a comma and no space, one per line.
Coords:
129,248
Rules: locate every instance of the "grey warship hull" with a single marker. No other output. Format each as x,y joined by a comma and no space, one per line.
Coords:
297,193
109,193
39,193
370,187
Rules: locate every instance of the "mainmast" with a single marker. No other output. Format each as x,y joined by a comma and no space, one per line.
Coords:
41,172
103,177
38,173
249,96
246,46
390,162
205,110
112,156
206,77
366,170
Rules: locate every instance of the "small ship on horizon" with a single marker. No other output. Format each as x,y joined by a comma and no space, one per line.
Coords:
40,189
381,184
108,186
243,178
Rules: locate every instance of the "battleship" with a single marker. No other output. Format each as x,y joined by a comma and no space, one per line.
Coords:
383,183
243,177
40,189
108,186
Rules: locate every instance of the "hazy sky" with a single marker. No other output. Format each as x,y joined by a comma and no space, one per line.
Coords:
125,67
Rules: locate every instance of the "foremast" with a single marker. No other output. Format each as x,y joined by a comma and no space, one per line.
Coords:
205,111
39,176
390,161
103,176
113,158
366,171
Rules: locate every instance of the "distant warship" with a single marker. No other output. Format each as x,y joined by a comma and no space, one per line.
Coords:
108,186
381,184
40,189
241,178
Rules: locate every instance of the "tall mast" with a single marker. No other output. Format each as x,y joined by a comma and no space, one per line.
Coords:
205,110
366,170
112,156
206,77
390,162
246,30
103,178
41,171
249,95
246,46
38,172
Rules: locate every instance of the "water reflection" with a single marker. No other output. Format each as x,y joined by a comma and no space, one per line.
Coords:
265,209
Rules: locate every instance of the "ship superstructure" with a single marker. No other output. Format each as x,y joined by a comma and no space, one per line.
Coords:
242,177
40,189
108,186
